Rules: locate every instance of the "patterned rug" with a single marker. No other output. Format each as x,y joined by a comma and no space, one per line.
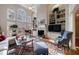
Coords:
52,48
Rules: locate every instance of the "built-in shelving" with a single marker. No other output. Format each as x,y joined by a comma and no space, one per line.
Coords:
57,17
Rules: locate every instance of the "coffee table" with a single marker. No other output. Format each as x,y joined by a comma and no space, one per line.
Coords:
23,44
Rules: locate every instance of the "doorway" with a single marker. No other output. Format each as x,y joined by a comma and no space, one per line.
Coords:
77,28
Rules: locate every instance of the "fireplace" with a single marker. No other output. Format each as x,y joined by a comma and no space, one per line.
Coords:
40,33
41,30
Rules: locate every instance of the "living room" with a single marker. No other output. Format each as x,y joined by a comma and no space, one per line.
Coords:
43,23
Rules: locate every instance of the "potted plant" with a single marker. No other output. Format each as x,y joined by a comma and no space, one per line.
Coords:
14,27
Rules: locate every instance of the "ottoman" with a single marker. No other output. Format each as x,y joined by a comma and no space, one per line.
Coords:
40,48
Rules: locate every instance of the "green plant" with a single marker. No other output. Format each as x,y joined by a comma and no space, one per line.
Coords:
14,26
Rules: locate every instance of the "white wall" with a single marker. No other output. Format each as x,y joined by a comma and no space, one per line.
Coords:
42,11
42,14
54,35
69,17
70,22
3,15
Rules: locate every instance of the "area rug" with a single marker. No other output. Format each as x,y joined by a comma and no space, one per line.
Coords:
54,50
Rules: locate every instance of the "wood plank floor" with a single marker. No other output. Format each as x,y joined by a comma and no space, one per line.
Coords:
77,42
73,52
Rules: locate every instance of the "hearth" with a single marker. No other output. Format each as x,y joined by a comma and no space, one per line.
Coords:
40,33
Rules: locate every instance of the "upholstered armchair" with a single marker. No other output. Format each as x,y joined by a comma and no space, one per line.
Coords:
66,37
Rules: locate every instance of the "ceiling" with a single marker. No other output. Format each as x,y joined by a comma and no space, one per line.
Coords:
32,7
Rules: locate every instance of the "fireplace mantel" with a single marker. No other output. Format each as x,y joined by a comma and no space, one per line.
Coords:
41,27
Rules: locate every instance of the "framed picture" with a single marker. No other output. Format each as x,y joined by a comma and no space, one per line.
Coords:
11,14
21,15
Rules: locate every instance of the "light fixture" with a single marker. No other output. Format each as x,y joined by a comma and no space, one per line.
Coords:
77,14
30,8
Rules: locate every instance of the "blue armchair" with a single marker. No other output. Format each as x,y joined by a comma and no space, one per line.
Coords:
67,35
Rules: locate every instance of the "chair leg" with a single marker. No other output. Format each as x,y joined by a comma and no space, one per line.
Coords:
32,47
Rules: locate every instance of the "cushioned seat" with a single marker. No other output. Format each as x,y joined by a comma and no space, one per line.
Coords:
40,48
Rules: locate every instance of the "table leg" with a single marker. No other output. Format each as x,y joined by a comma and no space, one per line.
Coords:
32,47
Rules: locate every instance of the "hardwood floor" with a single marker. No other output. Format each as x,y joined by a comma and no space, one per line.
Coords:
77,41
76,52
73,52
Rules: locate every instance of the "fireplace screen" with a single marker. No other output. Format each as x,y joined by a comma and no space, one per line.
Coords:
40,33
